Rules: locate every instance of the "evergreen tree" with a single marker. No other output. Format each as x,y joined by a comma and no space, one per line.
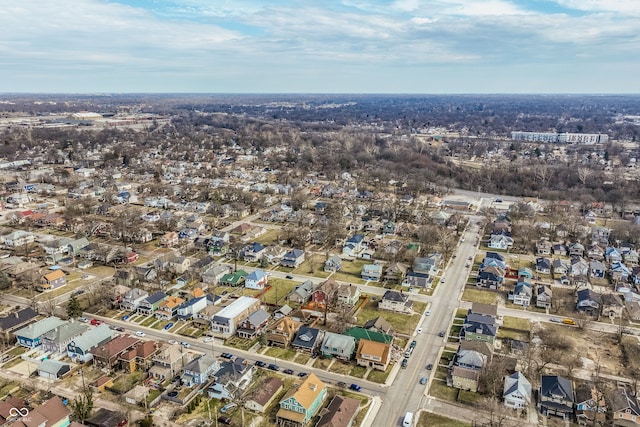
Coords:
82,406
73,307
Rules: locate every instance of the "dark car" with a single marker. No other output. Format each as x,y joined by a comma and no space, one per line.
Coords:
302,374
288,371
413,344
225,420
342,384
355,387
78,292
273,367
119,329
288,276
423,380
429,366
168,326
441,334
260,363
226,356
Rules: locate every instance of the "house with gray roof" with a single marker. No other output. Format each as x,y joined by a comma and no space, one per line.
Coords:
151,303
517,391
56,340
338,346
253,324
31,335
53,369
302,292
197,371
556,396
395,301
15,320
307,339
232,379
79,348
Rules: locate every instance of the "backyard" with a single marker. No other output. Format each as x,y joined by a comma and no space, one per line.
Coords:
401,322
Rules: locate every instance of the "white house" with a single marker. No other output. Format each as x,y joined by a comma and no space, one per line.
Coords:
517,391
256,280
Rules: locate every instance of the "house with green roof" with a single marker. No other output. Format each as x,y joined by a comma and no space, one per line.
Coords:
361,333
234,279
31,335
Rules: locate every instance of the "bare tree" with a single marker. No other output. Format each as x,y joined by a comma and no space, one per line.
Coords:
492,413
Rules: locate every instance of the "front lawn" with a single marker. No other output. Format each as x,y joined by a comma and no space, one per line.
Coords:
428,419
322,364
341,368
481,296
402,323
440,390
379,377
358,371
280,353
314,266
240,343
517,323
280,289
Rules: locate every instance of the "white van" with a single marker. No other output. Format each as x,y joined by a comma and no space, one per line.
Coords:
408,419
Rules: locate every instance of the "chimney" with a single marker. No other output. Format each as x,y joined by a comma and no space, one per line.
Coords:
17,315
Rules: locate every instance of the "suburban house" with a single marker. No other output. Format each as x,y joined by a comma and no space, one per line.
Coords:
107,355
16,320
543,265
52,413
478,331
595,252
464,378
169,239
543,246
500,241
576,249
373,354
198,370
301,403
371,272
56,340
429,265
544,295
151,303
307,339
625,408
522,294
188,309
589,302
578,267
560,249
560,268
619,272
169,361
140,357
231,379
517,391
589,407
353,245
293,258
348,294
168,308
612,255
233,279
302,292
226,320
612,306
264,395
395,301
282,332
341,412
597,269
556,396
338,346
489,279
213,274
31,335
257,279
52,280
132,299
396,273
379,324
253,252
253,324
334,263
79,349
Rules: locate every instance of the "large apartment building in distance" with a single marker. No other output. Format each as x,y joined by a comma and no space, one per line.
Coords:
561,138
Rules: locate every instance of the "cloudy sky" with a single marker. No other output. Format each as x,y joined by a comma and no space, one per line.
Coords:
353,46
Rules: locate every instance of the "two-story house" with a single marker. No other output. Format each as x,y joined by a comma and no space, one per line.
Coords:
56,340
151,303
293,258
395,301
302,402
556,396
307,339
79,349
253,252
168,308
333,264
302,292
371,272
257,279
282,332
52,280
265,394
31,335
190,308
625,408
253,324
517,391
338,346
169,361
373,354
231,379
544,295
348,294
198,371
132,299
107,355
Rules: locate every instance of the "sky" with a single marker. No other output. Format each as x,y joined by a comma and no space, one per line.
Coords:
320,46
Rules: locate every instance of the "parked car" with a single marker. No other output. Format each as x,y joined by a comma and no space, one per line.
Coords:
96,322
404,363
125,317
302,374
228,407
288,371
429,366
423,380
273,367
260,364
413,344
83,319
119,329
208,339
441,334
78,292
355,387
140,333
168,326
173,342
226,356
185,344
225,420
288,276
342,384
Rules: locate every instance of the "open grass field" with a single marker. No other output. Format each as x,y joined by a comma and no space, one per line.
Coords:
479,295
427,419
518,323
402,323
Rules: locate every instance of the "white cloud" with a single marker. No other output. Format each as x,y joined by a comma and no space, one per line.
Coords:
616,6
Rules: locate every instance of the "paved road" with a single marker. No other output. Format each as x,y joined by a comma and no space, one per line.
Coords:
406,393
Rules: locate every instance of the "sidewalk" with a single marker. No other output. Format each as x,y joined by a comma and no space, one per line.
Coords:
370,417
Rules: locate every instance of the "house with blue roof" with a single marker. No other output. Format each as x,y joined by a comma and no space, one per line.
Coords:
253,252
257,279
371,272
31,335
151,303
197,371
293,258
619,271
353,245
612,255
